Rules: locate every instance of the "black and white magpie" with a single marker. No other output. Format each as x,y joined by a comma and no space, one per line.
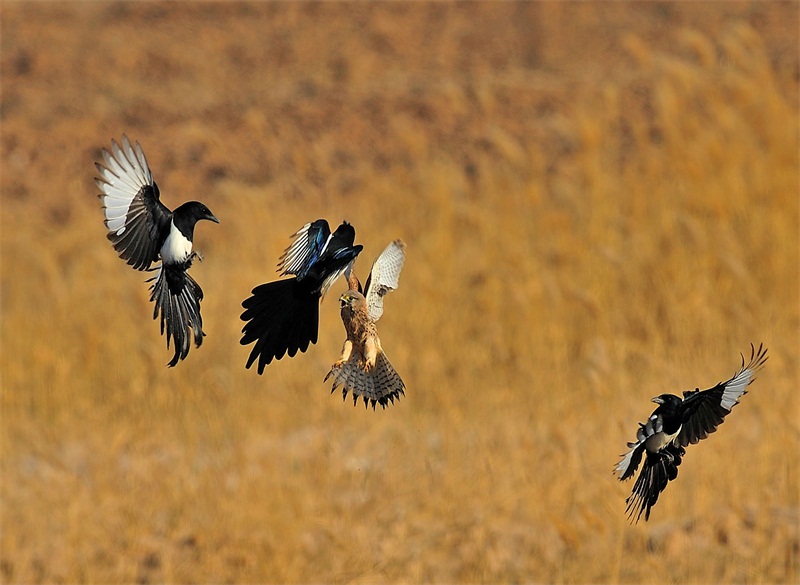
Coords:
282,317
144,231
676,423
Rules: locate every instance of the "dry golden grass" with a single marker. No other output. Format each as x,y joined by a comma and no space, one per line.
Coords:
600,205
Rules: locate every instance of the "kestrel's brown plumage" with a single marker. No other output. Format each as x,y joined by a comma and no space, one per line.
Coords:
363,369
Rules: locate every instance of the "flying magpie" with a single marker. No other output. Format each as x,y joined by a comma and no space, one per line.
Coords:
676,423
142,231
283,316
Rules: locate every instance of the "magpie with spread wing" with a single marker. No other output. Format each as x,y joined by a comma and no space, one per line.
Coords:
142,231
363,369
282,317
676,423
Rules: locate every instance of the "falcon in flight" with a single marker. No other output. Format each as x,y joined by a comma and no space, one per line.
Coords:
676,423
283,316
364,370
142,231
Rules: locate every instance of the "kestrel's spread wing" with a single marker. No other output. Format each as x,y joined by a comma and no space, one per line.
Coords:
384,277
363,368
134,215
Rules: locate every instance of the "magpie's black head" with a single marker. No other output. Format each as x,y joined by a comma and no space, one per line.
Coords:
668,400
345,234
195,211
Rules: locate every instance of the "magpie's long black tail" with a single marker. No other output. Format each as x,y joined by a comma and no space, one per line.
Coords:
177,299
658,470
281,317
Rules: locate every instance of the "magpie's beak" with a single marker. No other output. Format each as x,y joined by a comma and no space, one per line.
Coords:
658,400
212,217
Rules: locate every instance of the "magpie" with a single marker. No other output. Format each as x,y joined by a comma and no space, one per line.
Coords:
143,231
282,317
676,423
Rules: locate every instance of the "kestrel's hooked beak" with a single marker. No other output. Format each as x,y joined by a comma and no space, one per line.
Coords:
344,300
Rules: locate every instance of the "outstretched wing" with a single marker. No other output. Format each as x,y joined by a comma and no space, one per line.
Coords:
704,411
134,215
384,277
309,243
630,460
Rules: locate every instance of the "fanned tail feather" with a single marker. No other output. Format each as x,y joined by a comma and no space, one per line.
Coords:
281,318
379,385
177,299
658,470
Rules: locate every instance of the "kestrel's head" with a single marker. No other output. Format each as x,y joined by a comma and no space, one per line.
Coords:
353,300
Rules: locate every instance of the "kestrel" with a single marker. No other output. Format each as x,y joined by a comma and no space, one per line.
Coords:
363,369
676,423
144,231
283,316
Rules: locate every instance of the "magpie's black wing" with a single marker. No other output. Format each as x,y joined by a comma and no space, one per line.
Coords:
136,219
703,411
309,244
177,299
336,259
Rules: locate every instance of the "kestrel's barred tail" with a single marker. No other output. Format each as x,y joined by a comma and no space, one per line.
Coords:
378,385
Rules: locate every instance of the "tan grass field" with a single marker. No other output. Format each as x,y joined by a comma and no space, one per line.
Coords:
600,203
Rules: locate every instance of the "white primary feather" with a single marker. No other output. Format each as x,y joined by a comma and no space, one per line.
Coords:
125,176
736,388
296,255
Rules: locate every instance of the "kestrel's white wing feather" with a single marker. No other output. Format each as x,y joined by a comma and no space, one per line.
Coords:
384,277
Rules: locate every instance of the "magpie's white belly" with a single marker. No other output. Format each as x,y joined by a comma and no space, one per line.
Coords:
176,248
658,441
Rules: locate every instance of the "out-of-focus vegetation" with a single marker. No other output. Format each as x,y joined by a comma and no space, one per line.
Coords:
600,205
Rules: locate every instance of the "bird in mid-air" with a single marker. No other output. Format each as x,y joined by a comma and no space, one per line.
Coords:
282,317
676,423
363,369
144,231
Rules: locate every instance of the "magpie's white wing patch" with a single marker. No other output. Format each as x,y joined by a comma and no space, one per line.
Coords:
384,277
310,241
134,216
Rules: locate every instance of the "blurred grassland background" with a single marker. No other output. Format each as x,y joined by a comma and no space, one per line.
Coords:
600,202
